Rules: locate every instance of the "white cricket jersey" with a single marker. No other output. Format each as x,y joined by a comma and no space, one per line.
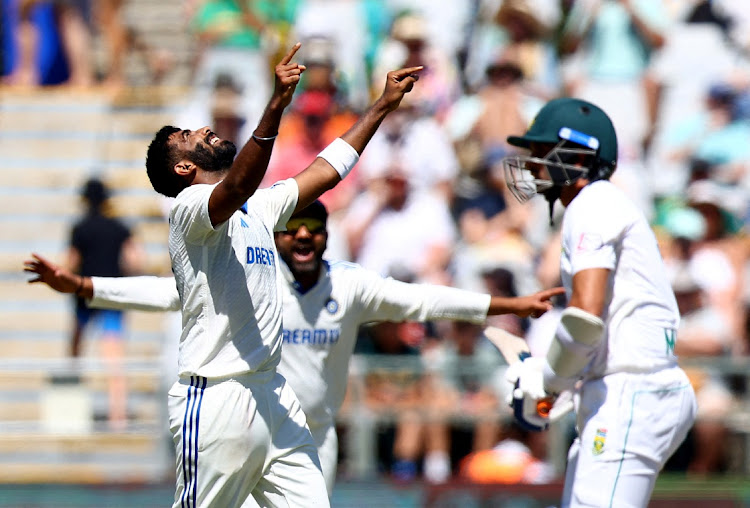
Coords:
602,228
228,282
320,325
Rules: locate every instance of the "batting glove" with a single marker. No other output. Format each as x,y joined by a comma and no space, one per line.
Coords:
527,379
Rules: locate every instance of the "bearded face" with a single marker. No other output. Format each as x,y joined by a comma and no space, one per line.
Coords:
214,158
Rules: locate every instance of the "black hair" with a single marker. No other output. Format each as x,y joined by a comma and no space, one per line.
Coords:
160,159
315,210
95,193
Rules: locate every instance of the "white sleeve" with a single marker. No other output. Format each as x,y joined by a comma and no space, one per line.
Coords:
189,213
591,235
386,299
135,293
277,203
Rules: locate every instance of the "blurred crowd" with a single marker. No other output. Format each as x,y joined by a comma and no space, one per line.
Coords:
427,202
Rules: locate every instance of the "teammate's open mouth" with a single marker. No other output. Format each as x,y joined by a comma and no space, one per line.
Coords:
303,253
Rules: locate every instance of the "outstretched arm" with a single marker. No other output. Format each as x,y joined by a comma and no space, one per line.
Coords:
146,293
58,278
249,167
533,305
386,299
324,173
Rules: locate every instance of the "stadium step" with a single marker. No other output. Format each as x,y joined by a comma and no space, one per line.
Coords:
53,430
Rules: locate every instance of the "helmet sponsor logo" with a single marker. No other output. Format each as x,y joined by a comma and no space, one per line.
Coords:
579,137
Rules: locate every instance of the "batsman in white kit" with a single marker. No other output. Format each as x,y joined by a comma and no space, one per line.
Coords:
240,435
324,303
615,341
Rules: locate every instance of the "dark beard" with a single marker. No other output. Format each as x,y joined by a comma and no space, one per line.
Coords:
214,160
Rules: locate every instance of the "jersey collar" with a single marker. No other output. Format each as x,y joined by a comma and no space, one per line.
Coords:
287,273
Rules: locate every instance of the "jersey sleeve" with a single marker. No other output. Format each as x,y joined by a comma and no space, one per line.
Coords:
135,293
592,236
189,214
277,203
386,299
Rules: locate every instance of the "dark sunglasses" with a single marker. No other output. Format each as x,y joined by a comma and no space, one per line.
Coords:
314,226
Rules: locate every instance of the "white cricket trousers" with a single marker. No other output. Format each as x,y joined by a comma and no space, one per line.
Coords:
628,426
243,442
327,442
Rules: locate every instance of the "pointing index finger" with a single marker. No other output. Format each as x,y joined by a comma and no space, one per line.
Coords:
290,55
403,73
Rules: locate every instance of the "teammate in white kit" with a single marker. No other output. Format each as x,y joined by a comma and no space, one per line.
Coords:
324,303
616,337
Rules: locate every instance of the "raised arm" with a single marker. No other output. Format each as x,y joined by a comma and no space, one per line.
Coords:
336,160
249,167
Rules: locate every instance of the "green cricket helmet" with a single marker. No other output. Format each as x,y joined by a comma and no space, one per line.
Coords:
584,146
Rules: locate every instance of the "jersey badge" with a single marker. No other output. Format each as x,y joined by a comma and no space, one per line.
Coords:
332,306
599,440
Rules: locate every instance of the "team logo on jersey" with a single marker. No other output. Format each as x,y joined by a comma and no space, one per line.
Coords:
332,306
669,338
589,242
599,439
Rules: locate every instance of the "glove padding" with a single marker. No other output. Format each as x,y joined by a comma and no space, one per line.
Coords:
527,378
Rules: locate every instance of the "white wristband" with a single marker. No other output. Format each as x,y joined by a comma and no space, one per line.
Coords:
341,155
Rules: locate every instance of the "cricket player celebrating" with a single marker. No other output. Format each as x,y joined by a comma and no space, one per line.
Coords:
617,335
324,303
240,436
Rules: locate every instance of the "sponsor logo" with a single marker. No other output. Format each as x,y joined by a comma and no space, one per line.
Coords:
589,242
259,256
310,336
599,440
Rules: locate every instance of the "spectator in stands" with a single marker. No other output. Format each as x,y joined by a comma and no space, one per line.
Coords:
719,257
226,111
528,45
102,246
396,395
462,367
408,45
400,142
355,27
73,25
392,227
611,42
503,109
322,73
704,332
229,34
714,134
697,30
